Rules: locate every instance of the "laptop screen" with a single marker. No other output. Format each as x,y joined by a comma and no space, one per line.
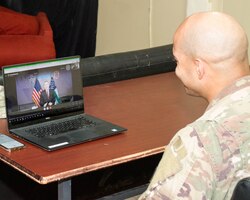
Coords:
42,90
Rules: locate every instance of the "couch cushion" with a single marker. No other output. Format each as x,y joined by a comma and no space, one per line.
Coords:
14,23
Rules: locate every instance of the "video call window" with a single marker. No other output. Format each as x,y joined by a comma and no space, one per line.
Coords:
44,92
43,89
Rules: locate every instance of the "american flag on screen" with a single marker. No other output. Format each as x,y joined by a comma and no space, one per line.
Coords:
36,93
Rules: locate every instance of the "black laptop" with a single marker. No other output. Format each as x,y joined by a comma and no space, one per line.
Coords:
45,104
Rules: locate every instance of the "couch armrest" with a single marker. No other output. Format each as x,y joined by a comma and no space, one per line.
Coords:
127,65
44,25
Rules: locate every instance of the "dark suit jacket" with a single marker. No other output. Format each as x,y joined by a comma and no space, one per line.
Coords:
44,98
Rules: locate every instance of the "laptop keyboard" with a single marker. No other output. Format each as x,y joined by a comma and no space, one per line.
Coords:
60,127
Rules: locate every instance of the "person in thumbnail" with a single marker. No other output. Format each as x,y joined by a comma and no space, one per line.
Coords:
47,98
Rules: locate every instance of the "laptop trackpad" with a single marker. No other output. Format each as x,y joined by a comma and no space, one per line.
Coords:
73,138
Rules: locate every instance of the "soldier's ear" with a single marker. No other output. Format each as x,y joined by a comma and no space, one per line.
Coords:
200,68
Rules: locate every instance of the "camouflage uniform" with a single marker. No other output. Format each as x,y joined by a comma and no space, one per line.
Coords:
208,157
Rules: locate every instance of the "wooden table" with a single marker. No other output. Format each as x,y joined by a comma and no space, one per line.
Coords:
153,108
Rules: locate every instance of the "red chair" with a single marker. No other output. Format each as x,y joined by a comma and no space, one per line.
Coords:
24,38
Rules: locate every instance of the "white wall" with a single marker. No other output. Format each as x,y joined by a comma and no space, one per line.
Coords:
240,10
166,17
122,25
126,25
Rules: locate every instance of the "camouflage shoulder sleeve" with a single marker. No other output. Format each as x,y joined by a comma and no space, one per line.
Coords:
184,170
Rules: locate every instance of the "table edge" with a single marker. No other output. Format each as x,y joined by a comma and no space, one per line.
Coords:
81,170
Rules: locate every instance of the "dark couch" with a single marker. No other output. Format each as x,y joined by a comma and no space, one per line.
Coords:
133,64
242,190
127,65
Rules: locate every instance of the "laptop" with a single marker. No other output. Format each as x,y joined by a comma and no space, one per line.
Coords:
45,105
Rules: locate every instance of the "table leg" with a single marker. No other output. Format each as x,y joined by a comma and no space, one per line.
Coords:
64,190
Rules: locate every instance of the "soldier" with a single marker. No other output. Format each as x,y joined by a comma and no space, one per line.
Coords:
208,157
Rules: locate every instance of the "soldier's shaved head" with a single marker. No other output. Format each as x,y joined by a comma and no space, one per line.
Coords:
217,45
213,36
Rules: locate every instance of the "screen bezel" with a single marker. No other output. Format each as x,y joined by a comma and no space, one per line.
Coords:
23,118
